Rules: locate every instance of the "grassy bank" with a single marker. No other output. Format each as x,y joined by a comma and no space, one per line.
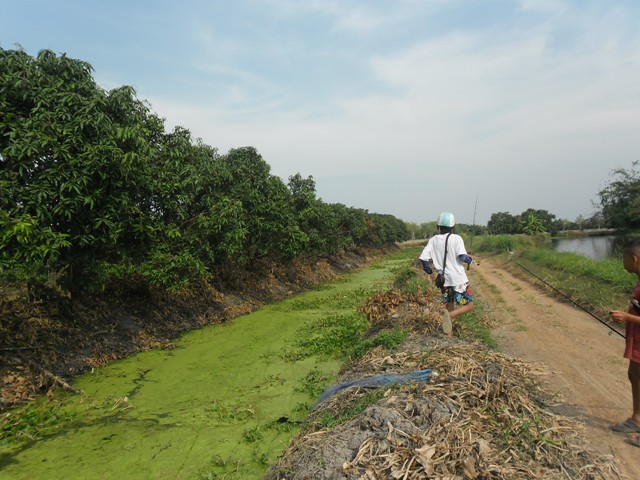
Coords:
599,285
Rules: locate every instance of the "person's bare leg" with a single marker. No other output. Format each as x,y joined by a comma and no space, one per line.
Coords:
451,313
455,312
634,378
447,326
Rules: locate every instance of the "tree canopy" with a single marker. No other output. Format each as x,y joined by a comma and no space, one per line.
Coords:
92,187
620,199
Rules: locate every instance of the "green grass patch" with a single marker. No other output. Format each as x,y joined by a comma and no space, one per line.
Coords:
332,337
37,419
408,279
602,285
388,339
503,243
474,325
598,285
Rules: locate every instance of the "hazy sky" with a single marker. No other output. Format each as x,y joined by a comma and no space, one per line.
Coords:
406,107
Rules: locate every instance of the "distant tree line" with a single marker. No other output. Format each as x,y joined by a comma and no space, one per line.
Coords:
93,188
618,208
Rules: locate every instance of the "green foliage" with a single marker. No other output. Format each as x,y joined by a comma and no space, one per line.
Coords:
534,225
70,152
503,223
332,336
37,419
314,383
93,188
385,229
502,243
620,199
530,221
388,339
474,325
536,221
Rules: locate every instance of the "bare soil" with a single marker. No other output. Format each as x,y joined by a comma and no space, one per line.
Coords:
586,372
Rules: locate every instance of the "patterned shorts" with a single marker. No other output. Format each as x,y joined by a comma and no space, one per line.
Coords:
450,295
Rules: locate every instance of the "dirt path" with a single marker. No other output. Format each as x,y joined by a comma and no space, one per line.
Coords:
587,373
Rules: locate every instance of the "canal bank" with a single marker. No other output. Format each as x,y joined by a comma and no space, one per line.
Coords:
225,400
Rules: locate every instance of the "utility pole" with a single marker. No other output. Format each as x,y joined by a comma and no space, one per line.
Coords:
473,228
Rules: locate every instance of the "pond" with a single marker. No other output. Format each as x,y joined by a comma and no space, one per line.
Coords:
596,247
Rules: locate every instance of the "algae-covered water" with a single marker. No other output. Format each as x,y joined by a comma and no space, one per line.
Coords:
223,404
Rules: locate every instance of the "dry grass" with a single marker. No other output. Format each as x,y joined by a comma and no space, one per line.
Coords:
480,417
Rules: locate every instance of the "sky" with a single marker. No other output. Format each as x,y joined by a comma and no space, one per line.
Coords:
401,107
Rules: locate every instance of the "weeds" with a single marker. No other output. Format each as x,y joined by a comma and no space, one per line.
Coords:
407,279
350,299
332,336
39,418
252,435
389,339
314,383
503,243
260,456
228,412
474,325
602,284
223,468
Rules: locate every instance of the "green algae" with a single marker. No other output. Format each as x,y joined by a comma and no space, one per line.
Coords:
223,404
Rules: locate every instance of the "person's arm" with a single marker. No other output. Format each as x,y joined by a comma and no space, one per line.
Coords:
464,258
426,266
424,260
621,316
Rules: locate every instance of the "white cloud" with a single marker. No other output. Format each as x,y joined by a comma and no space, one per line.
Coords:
515,115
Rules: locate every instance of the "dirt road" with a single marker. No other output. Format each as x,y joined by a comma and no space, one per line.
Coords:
586,371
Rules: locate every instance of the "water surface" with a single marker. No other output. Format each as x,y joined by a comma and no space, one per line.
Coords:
223,404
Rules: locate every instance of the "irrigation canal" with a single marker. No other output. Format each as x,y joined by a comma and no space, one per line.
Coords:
223,404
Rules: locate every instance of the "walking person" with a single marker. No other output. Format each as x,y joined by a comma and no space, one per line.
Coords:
631,318
456,292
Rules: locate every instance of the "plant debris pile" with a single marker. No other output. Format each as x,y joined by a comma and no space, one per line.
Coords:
415,312
480,416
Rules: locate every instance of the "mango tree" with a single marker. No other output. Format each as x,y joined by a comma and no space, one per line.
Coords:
74,175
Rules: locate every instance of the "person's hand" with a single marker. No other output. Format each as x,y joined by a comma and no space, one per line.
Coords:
431,279
618,316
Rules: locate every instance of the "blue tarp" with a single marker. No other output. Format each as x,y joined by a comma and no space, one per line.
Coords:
375,381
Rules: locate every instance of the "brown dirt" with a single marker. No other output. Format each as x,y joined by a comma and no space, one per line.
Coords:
586,371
